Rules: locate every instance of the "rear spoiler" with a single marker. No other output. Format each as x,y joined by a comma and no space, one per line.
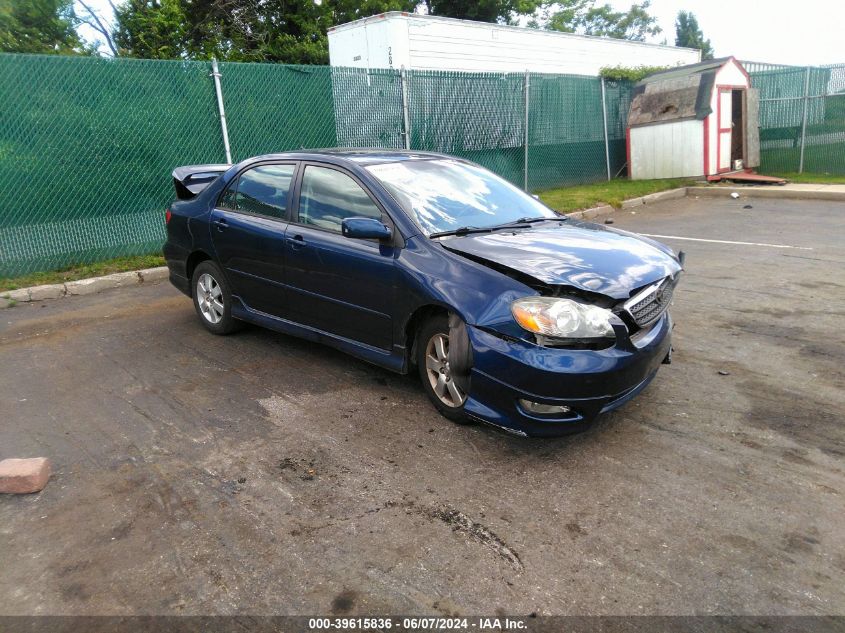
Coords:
191,179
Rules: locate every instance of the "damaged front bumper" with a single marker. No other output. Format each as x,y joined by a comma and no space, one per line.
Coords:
586,382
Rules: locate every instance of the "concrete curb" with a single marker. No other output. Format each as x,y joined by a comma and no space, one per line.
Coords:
782,192
82,286
632,203
590,214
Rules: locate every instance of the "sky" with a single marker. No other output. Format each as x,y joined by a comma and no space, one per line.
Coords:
809,32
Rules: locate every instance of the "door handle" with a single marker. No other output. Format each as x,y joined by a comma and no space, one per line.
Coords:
296,242
221,224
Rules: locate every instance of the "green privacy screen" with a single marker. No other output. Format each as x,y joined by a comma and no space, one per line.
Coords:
477,116
566,143
272,108
87,144
801,107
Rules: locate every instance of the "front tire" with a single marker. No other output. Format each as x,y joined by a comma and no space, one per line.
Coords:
435,371
213,299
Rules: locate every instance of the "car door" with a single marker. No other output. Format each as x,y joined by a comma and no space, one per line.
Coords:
248,231
337,284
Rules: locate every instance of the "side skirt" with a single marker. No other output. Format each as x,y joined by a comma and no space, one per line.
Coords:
394,361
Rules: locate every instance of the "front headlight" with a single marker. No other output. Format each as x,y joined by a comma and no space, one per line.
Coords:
562,318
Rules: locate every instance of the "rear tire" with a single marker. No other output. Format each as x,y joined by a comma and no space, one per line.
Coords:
213,299
434,370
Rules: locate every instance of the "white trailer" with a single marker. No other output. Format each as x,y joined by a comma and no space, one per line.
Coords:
423,42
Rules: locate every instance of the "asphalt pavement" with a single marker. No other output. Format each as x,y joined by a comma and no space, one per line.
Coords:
260,474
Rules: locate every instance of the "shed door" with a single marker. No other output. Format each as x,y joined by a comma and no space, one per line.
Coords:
752,127
725,129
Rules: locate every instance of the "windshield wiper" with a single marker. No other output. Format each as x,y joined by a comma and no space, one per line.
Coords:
532,219
520,223
464,230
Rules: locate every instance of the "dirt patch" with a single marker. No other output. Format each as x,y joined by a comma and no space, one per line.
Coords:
809,421
575,530
344,602
460,522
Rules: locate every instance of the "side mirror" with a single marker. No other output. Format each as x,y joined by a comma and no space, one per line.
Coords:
365,229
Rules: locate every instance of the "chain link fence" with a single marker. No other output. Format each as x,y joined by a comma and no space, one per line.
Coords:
802,117
477,116
86,147
87,144
566,131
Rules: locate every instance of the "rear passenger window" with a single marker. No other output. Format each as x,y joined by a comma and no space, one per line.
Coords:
262,191
227,200
329,196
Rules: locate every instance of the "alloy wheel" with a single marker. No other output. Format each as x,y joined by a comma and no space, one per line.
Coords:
440,373
210,298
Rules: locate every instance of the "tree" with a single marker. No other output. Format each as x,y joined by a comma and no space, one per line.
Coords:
152,29
502,11
39,26
294,31
688,34
288,31
342,11
584,16
92,18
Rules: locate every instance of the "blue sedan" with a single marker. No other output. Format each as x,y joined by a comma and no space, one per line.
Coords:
512,314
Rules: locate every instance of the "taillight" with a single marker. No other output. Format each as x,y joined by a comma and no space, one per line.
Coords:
167,216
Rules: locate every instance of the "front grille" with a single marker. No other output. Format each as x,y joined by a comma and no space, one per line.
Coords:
647,306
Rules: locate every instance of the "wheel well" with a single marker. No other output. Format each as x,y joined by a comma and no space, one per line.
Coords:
194,260
420,316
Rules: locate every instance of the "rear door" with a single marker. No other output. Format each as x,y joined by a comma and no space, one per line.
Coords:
248,230
338,284
752,127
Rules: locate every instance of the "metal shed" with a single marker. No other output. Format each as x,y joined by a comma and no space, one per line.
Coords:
696,120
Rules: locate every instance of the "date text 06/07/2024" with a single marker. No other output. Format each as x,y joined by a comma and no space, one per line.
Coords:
418,624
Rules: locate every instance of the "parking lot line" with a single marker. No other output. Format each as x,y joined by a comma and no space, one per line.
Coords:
701,239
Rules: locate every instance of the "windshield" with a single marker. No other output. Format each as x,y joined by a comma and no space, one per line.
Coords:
444,195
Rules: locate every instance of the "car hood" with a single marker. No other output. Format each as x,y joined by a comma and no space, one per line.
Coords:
583,255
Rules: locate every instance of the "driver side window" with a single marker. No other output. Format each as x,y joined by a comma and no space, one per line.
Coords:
328,196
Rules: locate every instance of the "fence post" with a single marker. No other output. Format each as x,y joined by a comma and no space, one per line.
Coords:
804,119
406,111
604,118
525,140
215,72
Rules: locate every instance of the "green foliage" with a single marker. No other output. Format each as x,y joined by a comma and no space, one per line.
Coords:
38,26
816,178
689,35
502,11
288,31
584,16
629,73
152,30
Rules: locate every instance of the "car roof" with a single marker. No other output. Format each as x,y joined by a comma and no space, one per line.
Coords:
355,155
